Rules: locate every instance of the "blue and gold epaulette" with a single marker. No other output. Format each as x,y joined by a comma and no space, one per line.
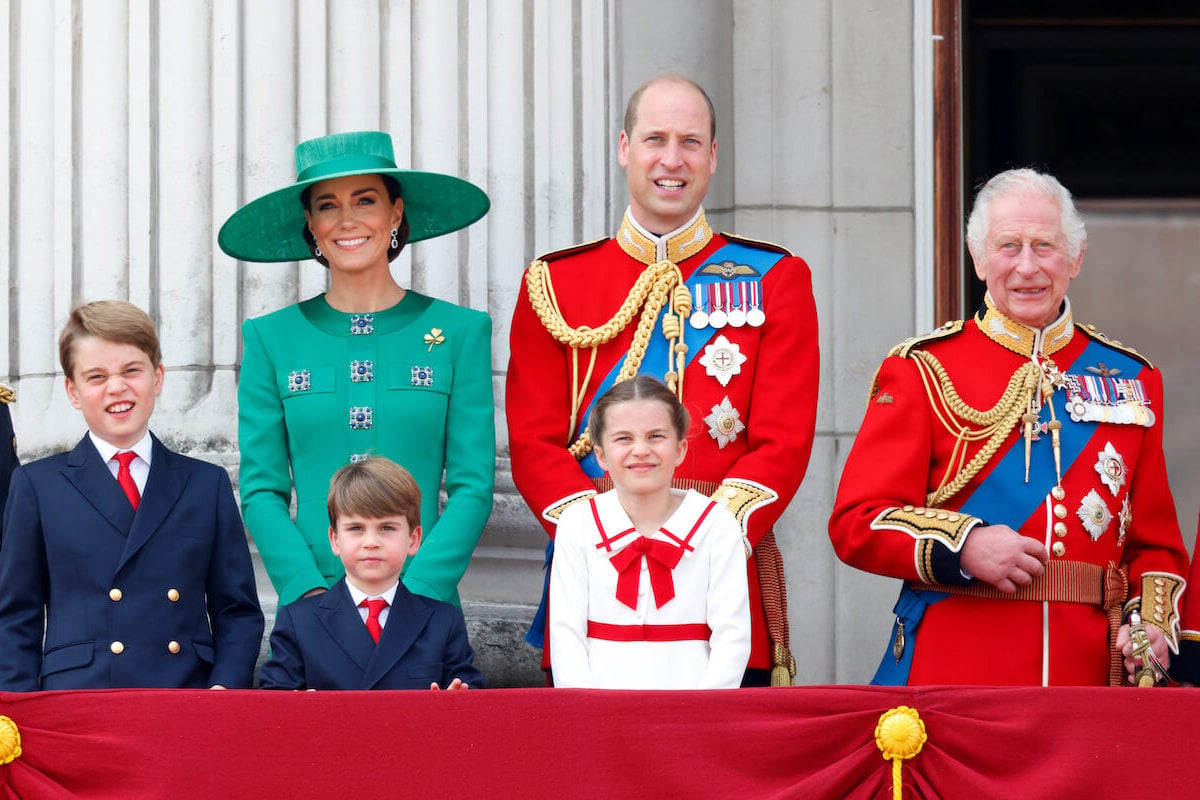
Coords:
555,255
907,346
761,245
1091,332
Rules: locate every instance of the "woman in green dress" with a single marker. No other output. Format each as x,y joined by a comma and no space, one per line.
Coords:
366,367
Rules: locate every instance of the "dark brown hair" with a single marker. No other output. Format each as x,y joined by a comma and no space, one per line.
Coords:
393,189
639,387
111,320
374,487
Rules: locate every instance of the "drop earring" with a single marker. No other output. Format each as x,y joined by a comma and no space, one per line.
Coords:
395,242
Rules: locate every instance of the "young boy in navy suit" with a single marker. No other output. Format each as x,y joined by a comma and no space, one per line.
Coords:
130,557
368,631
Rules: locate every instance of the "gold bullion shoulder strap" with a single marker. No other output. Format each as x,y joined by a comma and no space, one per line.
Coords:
7,395
1091,332
946,330
758,243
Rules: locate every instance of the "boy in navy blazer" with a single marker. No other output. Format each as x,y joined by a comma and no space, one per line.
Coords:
130,557
368,631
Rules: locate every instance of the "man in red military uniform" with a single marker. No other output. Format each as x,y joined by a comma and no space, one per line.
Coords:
730,324
1010,470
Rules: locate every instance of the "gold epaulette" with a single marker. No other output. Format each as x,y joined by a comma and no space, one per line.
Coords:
905,347
1091,332
758,243
554,255
7,395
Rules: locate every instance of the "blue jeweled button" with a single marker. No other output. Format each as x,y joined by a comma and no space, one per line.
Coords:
361,324
422,376
360,418
299,381
357,457
362,371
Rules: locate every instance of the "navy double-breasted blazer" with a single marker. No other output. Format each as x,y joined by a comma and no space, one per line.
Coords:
320,642
163,597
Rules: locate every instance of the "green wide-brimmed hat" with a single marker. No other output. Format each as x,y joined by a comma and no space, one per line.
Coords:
271,227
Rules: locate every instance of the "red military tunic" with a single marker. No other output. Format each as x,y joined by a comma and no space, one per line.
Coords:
941,450
759,431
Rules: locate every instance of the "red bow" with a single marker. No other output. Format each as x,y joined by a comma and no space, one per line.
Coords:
661,558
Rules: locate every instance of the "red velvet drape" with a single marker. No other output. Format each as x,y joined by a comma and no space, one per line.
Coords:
804,742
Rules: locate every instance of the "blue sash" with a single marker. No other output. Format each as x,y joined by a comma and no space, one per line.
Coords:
656,359
1004,498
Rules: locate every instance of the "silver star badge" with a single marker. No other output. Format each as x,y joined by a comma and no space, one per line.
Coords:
724,423
1094,514
1111,468
722,359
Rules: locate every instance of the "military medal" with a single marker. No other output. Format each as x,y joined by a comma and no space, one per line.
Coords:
724,423
717,317
1111,468
699,317
1094,514
737,312
722,360
755,316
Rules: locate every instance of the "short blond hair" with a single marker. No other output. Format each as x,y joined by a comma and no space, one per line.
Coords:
110,320
374,487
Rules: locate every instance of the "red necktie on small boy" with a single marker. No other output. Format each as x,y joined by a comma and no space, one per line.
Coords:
125,478
373,608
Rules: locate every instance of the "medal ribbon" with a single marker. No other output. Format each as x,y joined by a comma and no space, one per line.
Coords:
656,359
1004,496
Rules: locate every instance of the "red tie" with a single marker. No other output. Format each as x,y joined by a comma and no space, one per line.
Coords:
125,478
373,608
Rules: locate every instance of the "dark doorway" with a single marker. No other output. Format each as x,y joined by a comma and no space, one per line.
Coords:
1104,95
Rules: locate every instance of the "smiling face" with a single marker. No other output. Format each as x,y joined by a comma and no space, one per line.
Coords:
639,446
1025,259
352,219
114,385
669,156
373,549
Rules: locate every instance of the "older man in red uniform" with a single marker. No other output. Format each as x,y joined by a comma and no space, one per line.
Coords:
730,324
1010,470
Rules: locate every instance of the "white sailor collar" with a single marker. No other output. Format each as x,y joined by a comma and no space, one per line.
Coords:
615,531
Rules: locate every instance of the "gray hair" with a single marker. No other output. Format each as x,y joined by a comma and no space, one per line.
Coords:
1025,181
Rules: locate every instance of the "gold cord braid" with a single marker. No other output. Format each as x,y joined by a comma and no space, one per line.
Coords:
657,284
995,424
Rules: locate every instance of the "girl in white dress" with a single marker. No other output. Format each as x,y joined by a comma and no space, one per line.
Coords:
648,583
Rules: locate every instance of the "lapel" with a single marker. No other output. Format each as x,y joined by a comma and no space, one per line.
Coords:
91,478
406,621
340,619
164,486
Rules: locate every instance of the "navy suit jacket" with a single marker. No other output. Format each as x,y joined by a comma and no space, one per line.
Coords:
163,597
320,642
